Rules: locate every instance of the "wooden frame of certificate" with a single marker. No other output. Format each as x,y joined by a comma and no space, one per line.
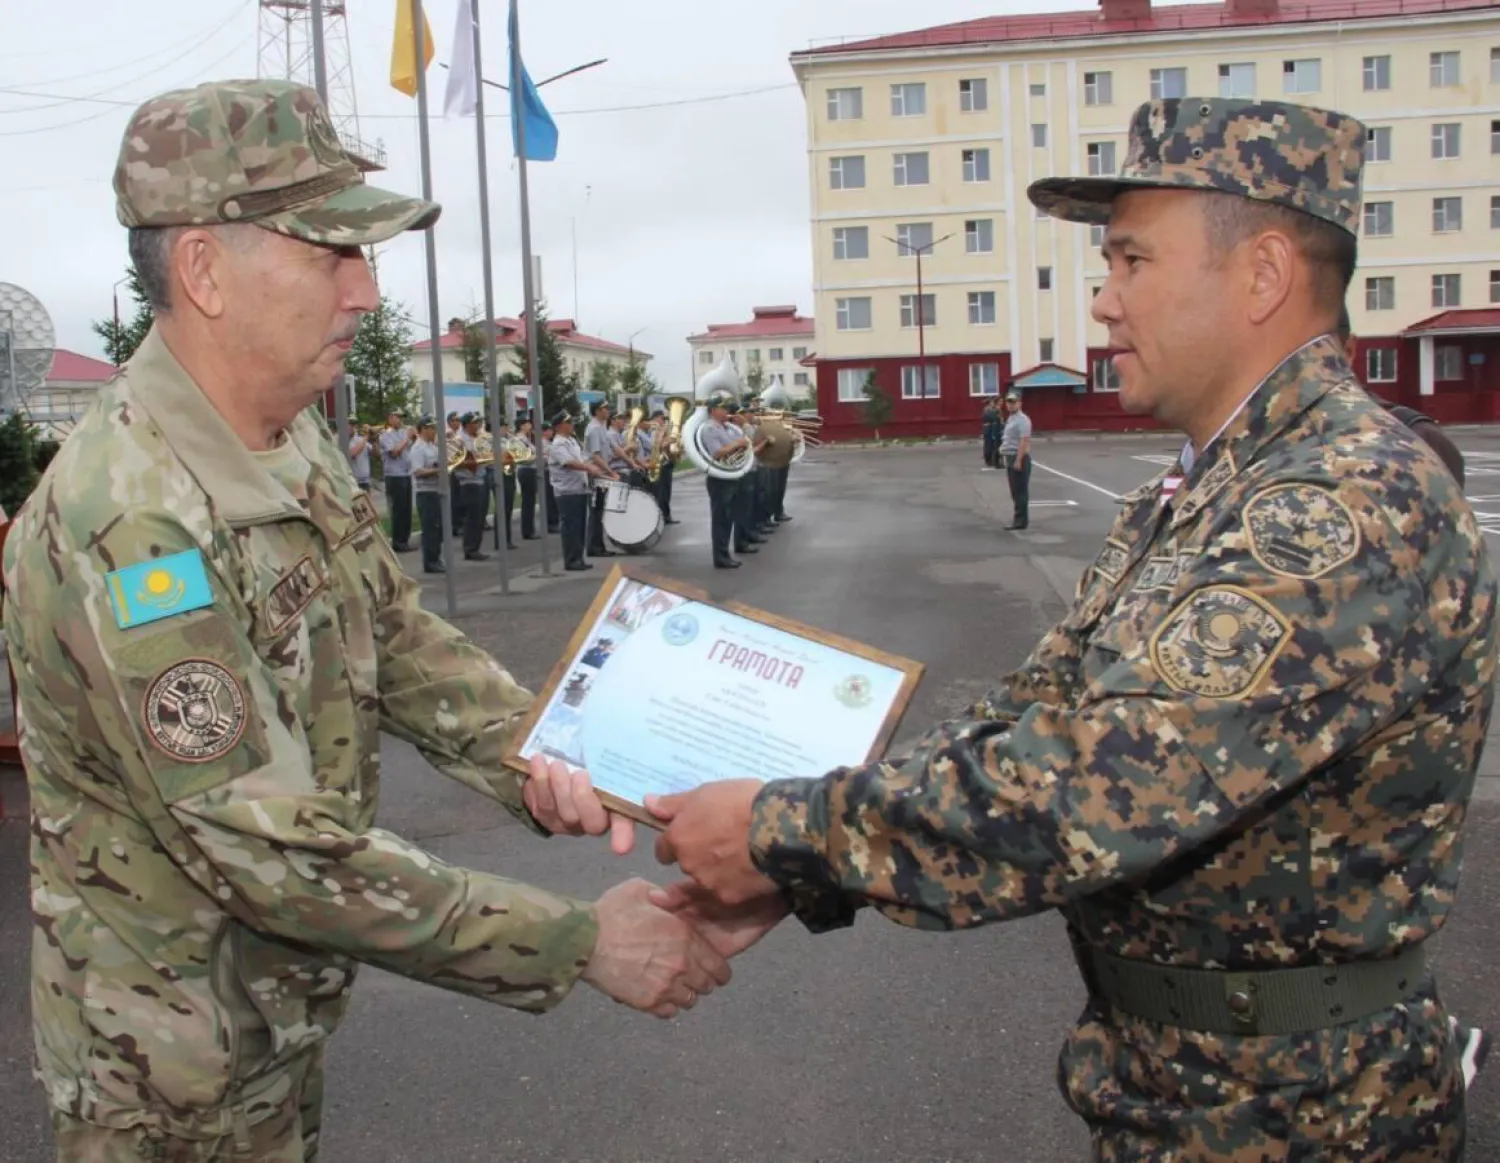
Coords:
662,688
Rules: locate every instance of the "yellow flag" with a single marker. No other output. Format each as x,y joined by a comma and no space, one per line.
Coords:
404,49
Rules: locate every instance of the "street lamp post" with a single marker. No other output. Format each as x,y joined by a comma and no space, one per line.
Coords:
919,251
114,292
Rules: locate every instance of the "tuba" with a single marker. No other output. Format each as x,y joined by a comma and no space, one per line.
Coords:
721,379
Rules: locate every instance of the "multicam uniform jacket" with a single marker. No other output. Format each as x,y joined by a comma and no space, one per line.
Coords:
1249,745
205,866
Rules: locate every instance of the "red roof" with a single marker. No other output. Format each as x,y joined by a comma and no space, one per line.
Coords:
1186,18
509,330
71,368
1475,319
765,321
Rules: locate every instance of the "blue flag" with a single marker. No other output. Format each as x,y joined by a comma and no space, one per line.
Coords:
152,590
525,103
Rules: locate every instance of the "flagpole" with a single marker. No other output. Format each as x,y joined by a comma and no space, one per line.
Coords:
430,245
519,121
491,389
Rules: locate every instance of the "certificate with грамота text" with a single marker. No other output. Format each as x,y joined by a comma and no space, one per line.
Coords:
662,689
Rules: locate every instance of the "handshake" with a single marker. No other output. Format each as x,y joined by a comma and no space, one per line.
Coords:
660,949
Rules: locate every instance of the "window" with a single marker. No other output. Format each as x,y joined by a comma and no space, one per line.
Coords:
976,165
1495,66
851,242
1098,88
1304,76
800,380
753,355
799,353
1039,135
1377,74
912,237
846,173
1236,80
1043,278
1445,140
1102,159
1495,136
1378,144
1446,290
706,356
1447,215
981,308
852,382
853,314
908,100
1039,89
1168,83
1444,69
974,95
1495,286
1494,212
1380,219
984,379
1045,352
911,169
1380,365
775,355
1380,293
979,236
909,310
1106,379
846,104
1450,363
912,382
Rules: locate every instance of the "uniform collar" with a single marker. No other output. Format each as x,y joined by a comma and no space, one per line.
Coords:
241,490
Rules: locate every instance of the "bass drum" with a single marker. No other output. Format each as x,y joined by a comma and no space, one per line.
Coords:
632,518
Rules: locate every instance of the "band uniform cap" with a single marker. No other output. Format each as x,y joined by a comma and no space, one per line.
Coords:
1013,395
1298,156
561,417
426,422
261,151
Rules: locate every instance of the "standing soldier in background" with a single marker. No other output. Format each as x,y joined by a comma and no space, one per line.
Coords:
203,688
775,458
526,481
719,440
554,522
663,432
991,422
359,456
455,494
476,498
1015,454
571,471
427,471
395,444
743,507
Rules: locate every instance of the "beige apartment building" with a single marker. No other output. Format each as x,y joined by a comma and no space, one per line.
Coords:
921,147
776,339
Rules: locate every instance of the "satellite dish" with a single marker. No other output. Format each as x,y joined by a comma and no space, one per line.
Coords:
27,346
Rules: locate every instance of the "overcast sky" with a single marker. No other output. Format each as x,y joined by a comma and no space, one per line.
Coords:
686,214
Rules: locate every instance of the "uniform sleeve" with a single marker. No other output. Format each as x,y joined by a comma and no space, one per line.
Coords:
1302,632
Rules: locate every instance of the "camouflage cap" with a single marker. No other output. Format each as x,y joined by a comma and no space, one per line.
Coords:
253,151
1293,155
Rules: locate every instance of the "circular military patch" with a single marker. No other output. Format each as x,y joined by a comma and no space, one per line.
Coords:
1218,642
1300,530
195,711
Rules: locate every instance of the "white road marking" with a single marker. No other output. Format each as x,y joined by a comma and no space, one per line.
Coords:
1076,480
1054,504
1161,458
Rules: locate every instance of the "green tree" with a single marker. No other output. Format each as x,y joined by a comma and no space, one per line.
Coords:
878,405
755,378
476,347
378,361
121,339
559,386
18,462
604,376
634,379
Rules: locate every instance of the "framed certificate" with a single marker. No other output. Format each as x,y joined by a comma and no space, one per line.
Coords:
662,689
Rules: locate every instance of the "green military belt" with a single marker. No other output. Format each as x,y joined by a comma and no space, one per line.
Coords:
1266,1002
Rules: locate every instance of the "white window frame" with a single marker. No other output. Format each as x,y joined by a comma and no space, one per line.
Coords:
1447,214
1494,137
801,380
976,165
1101,159
905,247
1160,85
1495,66
856,376
838,180
1441,299
1045,280
1448,363
1377,74
1302,75
844,313
1372,211
1231,77
1495,211
1039,135
979,231
1046,350
1440,140
973,95
930,383
909,311
902,164
978,300
1099,87
706,356
775,354
981,385
1439,74
841,239
1038,88
909,99
799,353
837,102
1097,232
1376,359
1495,287
1378,140
1103,375
1376,297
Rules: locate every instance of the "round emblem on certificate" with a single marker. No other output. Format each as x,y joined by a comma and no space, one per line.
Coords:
853,692
679,629
195,712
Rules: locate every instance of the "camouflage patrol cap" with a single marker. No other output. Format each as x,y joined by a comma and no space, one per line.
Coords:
1271,151
253,151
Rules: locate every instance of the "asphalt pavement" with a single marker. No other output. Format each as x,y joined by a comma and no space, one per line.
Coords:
876,1044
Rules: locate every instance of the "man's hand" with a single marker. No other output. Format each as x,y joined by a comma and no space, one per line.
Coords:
649,959
564,802
708,835
729,929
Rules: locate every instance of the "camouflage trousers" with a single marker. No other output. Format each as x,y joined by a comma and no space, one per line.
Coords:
287,1134
1386,1089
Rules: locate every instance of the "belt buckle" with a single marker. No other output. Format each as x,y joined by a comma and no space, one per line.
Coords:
1239,996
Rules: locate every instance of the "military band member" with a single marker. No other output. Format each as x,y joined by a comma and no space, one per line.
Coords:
476,498
426,474
646,436
720,439
508,484
553,520
668,468
455,494
395,444
572,472
596,447
359,455
746,537
526,481
620,458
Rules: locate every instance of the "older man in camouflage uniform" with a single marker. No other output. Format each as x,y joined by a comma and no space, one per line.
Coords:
210,632
1241,764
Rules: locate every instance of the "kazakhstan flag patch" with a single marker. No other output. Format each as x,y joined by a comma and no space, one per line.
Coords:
160,588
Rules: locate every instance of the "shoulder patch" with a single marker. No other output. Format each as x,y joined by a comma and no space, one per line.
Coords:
364,510
1300,530
1218,642
151,590
1112,559
194,711
292,593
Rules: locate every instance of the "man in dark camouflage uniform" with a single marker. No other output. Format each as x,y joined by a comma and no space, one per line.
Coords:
1241,764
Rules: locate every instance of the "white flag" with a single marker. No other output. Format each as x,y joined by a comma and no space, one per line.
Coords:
462,97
